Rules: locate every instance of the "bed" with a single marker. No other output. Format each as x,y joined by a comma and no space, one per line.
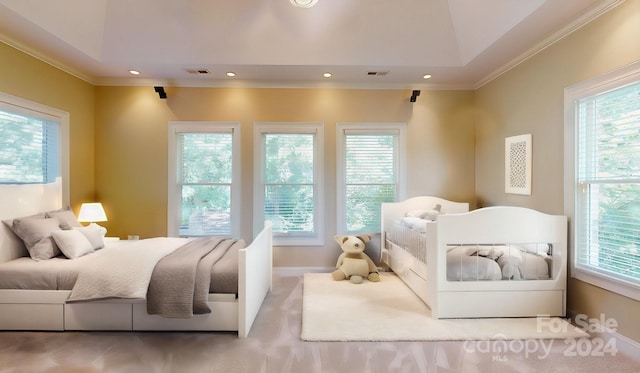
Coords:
52,298
498,261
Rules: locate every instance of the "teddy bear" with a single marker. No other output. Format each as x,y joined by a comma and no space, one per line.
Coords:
353,264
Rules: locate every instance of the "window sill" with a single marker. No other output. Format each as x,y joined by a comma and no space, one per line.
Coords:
607,283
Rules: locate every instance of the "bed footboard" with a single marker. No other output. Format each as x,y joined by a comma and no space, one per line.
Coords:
255,264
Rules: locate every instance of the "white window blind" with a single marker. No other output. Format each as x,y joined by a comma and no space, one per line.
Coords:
29,148
288,190
204,182
289,182
608,184
371,164
370,177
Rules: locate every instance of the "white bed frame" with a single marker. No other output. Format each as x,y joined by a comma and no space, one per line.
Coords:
492,225
47,310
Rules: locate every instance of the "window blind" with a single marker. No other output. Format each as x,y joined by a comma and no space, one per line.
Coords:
29,148
608,183
205,161
370,176
289,182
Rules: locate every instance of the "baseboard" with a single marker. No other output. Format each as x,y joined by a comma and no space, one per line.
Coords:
298,271
622,343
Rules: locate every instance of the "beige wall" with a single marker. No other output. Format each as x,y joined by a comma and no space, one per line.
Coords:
131,147
129,174
24,76
529,99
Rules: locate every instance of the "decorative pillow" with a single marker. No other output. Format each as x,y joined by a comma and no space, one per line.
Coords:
415,223
65,217
36,235
14,244
426,214
72,243
94,233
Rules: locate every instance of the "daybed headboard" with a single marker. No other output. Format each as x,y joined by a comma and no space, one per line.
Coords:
390,211
24,200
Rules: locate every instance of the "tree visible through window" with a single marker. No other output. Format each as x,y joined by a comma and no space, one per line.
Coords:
203,190
608,183
288,175
371,165
370,179
29,148
288,189
206,160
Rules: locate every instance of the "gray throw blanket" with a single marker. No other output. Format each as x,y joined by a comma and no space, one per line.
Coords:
180,281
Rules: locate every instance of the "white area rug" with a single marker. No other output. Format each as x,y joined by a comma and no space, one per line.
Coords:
389,311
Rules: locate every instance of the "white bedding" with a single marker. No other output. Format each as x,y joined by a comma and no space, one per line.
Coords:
476,262
125,273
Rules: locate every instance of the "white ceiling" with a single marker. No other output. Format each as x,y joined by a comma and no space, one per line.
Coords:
461,43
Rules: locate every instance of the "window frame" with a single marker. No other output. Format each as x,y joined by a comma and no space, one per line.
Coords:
608,81
315,128
34,109
174,198
372,128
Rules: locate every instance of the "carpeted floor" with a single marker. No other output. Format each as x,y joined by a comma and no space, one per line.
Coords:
274,345
389,311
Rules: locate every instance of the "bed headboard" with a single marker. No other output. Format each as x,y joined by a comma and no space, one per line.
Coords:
24,200
391,211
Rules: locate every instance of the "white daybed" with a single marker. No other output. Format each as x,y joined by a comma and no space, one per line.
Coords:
48,310
505,230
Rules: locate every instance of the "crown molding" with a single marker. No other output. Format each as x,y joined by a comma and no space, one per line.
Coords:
584,20
46,59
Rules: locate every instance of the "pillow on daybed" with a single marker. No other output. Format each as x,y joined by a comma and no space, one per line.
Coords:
72,243
94,234
415,223
36,235
426,214
66,218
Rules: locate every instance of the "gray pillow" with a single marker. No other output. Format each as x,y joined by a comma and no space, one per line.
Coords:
36,235
66,218
14,244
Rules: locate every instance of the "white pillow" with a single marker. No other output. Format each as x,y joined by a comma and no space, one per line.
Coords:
414,223
94,233
72,243
426,214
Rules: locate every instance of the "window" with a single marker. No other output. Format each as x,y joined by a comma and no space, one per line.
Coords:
33,143
204,164
371,166
606,180
289,173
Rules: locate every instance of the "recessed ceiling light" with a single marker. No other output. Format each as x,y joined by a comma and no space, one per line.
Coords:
427,76
327,75
134,72
231,74
304,3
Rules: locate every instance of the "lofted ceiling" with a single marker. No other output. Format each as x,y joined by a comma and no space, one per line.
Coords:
392,44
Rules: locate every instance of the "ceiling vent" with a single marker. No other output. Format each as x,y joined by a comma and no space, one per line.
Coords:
377,73
198,71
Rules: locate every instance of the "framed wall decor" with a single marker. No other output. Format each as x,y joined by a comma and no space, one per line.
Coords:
517,166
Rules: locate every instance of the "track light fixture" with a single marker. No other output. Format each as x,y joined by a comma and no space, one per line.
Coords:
161,92
414,96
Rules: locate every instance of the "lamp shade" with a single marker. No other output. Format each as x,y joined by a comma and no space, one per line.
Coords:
92,212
